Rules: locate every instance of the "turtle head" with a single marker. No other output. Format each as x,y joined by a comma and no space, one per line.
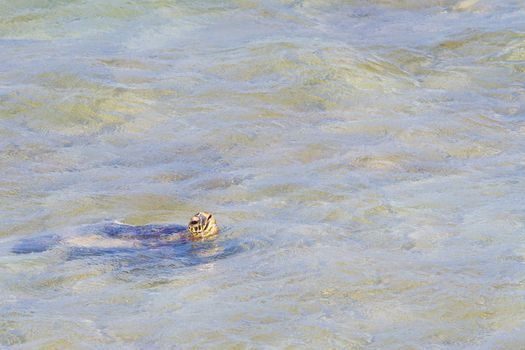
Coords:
202,225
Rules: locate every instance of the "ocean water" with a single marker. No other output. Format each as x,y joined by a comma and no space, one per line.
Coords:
365,160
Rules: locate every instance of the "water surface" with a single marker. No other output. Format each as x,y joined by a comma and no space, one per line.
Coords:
366,157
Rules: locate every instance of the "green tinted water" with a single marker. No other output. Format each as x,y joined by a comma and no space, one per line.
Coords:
367,156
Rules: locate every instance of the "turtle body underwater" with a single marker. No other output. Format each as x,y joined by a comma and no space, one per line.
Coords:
202,226
116,238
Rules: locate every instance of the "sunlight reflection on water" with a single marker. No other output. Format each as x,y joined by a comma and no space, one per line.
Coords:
366,158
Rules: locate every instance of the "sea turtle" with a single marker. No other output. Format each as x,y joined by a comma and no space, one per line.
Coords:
146,249
117,236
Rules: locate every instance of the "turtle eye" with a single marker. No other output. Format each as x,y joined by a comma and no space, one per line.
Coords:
194,222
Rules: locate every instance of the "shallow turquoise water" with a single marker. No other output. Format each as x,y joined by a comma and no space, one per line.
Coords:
366,157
